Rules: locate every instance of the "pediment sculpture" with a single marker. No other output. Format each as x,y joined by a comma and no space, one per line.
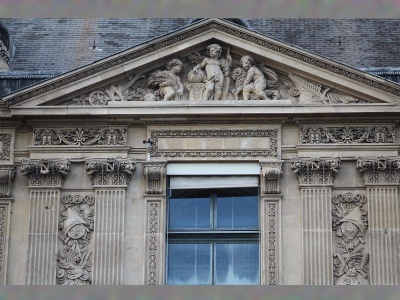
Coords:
215,74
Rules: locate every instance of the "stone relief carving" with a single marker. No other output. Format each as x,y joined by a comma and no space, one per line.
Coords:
79,136
152,247
272,243
310,92
315,170
156,134
271,173
349,222
347,135
379,170
111,171
155,175
45,172
75,233
5,56
5,146
7,175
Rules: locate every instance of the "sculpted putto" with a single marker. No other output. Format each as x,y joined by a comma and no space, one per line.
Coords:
217,72
168,81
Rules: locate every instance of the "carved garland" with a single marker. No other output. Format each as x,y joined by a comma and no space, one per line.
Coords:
45,172
5,139
76,227
236,32
152,250
347,135
272,243
272,134
110,171
79,136
349,222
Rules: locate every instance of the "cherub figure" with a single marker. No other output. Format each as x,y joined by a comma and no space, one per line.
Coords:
217,72
168,81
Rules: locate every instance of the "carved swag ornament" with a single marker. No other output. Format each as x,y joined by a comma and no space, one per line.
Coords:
45,172
315,170
111,171
76,227
214,74
349,222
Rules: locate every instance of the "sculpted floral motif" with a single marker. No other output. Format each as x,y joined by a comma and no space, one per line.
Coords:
79,136
315,170
379,169
349,222
110,171
76,228
347,135
221,133
7,175
152,250
272,263
5,142
45,172
3,241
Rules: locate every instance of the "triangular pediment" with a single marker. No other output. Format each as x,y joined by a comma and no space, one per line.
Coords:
179,69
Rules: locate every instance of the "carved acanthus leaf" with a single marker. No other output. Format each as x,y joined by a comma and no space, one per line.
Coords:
315,170
271,173
7,175
155,175
378,170
45,172
112,171
347,135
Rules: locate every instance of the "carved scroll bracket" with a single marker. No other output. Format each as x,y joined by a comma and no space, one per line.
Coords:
45,173
111,171
379,170
7,175
155,177
315,171
271,172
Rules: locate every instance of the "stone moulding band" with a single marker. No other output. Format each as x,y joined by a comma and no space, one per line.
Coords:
208,26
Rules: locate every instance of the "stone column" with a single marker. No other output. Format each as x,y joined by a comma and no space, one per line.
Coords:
155,174
381,177
316,180
7,174
270,208
110,178
45,181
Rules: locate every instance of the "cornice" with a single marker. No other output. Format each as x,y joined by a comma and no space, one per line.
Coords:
197,29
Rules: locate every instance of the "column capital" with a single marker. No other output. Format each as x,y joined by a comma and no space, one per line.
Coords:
315,171
110,171
379,170
45,172
155,172
7,175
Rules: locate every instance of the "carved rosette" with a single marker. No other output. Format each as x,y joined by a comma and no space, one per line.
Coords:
347,135
111,171
379,170
155,178
315,170
7,175
45,172
271,173
79,136
349,222
75,230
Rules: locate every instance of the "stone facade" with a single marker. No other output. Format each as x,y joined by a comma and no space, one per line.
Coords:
87,160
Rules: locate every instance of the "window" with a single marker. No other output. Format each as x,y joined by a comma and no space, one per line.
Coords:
213,236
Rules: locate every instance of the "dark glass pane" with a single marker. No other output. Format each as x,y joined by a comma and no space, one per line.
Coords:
237,264
237,209
189,264
189,211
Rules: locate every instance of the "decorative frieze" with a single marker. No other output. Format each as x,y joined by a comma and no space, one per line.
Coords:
155,178
7,175
271,173
380,170
45,173
315,170
5,146
75,231
112,171
347,135
350,222
79,136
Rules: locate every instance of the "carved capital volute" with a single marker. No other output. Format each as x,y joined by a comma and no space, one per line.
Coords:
271,172
7,175
379,170
110,171
45,173
315,171
155,177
